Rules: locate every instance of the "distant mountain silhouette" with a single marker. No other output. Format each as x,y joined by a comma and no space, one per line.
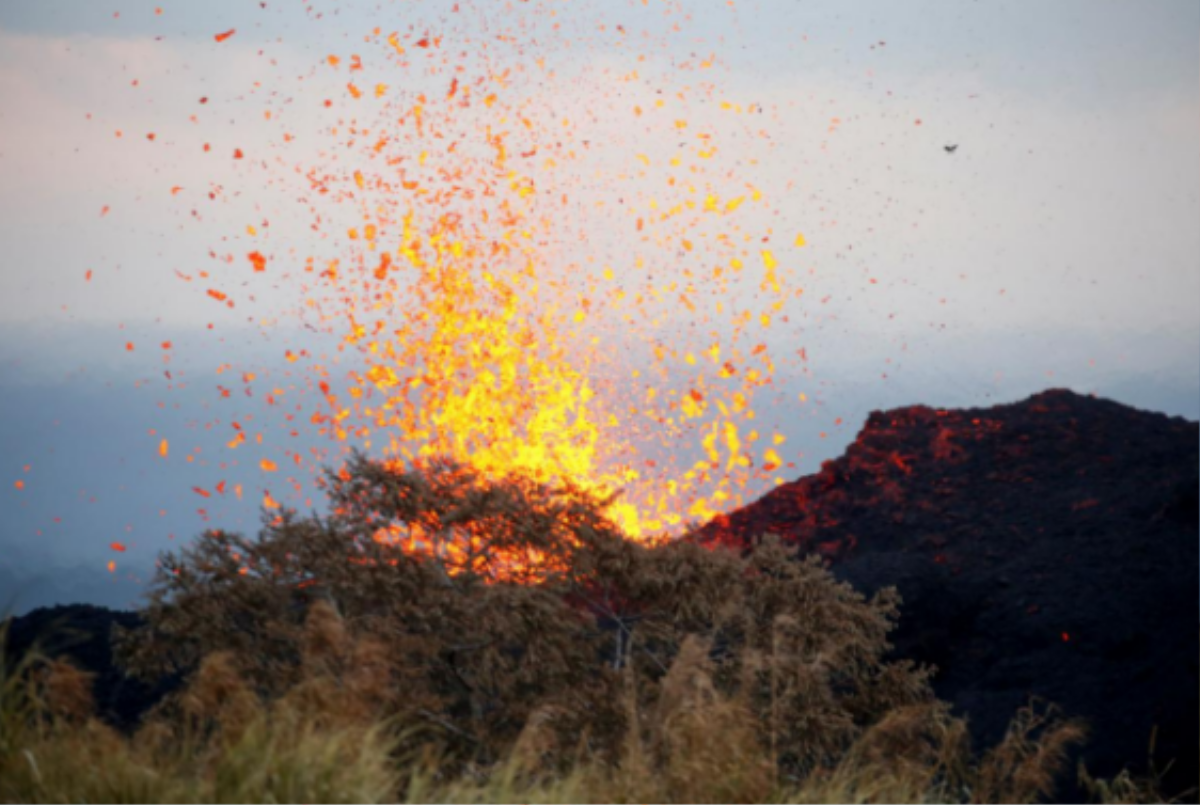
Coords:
1048,547
28,581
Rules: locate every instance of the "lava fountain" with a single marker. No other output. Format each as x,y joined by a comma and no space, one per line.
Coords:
540,251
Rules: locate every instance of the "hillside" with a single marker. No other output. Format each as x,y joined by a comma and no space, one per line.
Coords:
1046,548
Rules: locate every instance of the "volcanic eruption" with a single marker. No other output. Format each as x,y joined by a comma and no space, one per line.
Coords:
466,306
590,270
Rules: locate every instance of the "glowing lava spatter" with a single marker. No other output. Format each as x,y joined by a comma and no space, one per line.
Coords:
520,284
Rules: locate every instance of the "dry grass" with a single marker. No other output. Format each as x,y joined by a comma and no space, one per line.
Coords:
218,741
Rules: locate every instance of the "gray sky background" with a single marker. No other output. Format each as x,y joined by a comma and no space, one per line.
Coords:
1058,247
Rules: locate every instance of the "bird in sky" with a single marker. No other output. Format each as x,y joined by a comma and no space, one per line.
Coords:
950,149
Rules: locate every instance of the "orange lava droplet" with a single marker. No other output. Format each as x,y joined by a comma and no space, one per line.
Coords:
88,276
163,448
129,346
204,493
118,547
19,484
267,465
385,262
269,502
1066,638
112,566
237,153
226,35
259,262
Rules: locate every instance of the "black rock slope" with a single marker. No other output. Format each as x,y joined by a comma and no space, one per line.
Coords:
1046,548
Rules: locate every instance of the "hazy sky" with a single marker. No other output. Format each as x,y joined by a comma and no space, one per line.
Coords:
1058,246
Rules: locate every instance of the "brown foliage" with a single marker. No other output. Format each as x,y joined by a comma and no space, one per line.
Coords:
67,690
1022,767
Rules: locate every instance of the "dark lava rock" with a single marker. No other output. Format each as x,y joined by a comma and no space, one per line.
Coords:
1046,548
83,634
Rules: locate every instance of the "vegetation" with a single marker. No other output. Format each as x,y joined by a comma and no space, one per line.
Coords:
445,637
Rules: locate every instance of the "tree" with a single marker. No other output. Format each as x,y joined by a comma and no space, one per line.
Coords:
480,605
